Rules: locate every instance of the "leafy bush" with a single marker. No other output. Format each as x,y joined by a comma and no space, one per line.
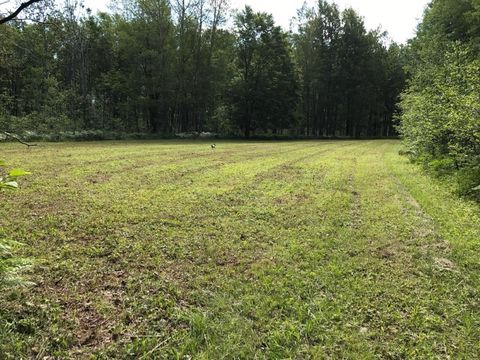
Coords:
469,181
441,167
10,265
441,116
8,180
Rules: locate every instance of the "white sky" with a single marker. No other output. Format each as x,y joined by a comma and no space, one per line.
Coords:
398,17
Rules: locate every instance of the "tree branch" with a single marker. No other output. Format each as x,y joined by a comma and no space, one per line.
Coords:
15,137
22,7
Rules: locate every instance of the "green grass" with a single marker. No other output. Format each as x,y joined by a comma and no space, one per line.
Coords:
149,250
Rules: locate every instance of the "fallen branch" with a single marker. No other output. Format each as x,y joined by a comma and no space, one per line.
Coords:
15,137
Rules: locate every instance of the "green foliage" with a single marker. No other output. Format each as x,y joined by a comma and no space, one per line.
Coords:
468,178
440,108
8,180
440,120
167,67
350,79
152,67
10,265
264,87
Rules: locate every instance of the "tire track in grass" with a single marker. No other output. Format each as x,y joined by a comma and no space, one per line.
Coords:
333,328
131,199
250,157
139,161
451,270
200,267
195,209
372,296
357,295
225,177
304,281
99,264
178,188
60,203
397,299
251,286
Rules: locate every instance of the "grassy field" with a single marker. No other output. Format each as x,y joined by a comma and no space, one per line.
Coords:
303,250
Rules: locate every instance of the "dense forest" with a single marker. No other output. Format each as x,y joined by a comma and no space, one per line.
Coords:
176,66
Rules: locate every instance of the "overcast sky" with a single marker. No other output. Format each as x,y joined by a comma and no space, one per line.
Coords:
398,17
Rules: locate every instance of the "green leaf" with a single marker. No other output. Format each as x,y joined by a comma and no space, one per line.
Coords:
17,173
476,188
3,163
12,184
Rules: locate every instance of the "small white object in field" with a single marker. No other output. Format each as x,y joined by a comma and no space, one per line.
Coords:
214,146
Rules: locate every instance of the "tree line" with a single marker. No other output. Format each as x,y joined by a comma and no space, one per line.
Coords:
440,118
173,66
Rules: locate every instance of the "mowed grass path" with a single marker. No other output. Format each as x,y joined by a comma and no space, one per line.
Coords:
302,250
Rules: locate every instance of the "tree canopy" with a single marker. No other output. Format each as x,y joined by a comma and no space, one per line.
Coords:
172,66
